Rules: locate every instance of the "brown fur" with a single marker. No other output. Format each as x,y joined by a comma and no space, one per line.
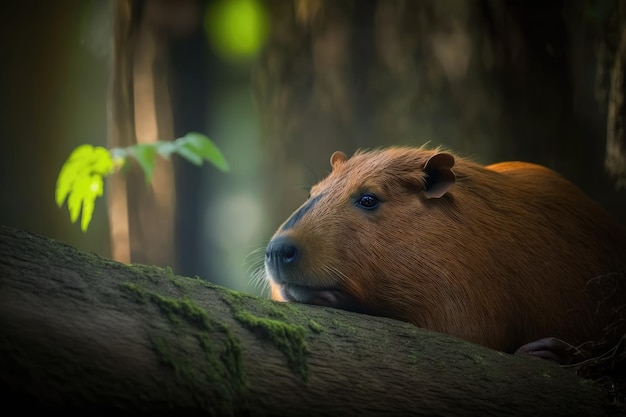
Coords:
501,259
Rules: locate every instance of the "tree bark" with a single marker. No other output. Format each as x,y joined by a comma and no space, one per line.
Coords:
84,334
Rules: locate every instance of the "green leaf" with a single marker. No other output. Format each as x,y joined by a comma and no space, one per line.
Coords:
80,181
166,148
196,147
75,199
145,154
102,162
96,187
187,147
76,163
189,153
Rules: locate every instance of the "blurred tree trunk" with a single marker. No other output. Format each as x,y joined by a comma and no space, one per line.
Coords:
142,216
121,127
80,334
491,80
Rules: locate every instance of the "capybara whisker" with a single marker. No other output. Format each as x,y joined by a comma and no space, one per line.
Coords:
336,272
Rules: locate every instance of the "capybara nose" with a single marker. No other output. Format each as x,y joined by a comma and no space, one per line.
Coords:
281,251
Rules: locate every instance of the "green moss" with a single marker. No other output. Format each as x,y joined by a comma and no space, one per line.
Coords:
237,295
231,356
288,338
204,283
222,369
225,365
166,353
275,311
137,291
175,309
185,309
315,326
181,283
146,272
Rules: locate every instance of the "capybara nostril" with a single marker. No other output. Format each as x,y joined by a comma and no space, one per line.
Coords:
289,253
281,251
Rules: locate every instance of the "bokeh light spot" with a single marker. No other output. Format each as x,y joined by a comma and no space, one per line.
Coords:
236,29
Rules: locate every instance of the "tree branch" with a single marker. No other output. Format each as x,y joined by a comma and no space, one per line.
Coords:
80,333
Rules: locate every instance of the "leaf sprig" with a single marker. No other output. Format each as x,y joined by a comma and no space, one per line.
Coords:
81,179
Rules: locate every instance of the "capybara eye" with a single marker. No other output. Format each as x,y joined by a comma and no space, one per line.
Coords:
367,201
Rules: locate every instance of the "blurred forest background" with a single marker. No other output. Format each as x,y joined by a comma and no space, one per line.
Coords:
279,85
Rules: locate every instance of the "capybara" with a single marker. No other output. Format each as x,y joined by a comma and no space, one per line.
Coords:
499,255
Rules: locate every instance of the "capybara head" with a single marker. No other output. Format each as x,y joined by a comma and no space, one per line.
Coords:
444,243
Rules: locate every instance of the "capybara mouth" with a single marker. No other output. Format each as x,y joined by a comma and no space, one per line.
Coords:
327,297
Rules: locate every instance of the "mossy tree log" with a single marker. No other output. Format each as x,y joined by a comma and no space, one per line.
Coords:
80,333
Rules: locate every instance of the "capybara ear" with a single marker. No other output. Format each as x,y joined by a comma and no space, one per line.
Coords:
337,157
439,175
